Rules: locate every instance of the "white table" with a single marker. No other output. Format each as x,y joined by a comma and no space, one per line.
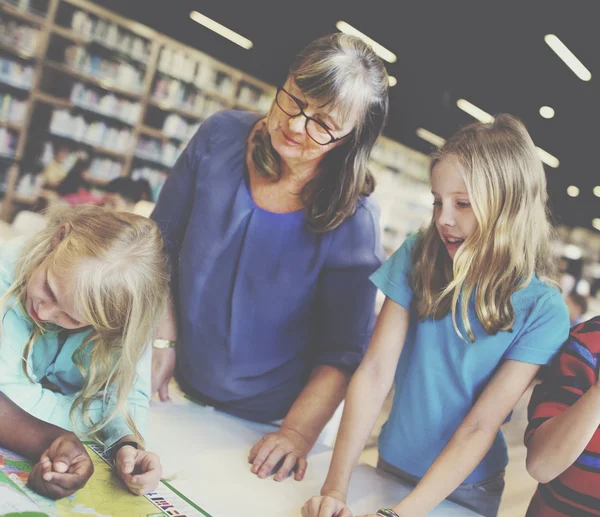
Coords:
204,455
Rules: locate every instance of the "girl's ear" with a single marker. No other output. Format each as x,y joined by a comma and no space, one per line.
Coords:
60,234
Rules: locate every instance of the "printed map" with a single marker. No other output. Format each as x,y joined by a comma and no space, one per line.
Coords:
103,496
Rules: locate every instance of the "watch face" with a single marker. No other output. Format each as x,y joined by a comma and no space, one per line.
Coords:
163,343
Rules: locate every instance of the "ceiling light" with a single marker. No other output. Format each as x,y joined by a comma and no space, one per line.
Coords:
547,158
596,223
393,81
430,137
572,252
484,116
546,112
561,50
573,191
214,26
381,51
474,111
597,191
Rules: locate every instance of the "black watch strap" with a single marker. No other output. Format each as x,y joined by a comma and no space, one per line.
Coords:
112,451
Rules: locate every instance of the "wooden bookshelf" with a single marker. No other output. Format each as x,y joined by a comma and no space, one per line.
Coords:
206,85
21,14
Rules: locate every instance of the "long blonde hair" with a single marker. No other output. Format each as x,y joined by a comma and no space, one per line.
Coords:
506,184
343,73
117,265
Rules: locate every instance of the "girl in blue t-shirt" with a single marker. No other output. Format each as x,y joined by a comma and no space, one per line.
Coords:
78,303
471,314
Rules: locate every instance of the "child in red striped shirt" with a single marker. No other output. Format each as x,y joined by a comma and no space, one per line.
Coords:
563,436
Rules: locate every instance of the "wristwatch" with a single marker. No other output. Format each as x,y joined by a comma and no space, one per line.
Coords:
161,344
386,512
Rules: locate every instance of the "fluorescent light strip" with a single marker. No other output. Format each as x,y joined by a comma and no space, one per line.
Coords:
474,111
393,81
221,30
561,50
484,116
547,158
430,137
381,51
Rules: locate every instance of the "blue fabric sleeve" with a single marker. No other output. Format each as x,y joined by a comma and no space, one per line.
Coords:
346,298
174,205
544,332
393,278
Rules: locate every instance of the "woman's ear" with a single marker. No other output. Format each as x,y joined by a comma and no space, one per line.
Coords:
60,234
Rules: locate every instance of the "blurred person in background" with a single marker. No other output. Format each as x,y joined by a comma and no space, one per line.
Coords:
123,193
578,306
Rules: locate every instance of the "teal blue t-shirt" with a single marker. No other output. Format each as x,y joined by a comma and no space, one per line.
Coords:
51,359
440,375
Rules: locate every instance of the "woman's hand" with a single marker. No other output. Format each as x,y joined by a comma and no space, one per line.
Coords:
140,470
64,468
163,367
330,504
284,450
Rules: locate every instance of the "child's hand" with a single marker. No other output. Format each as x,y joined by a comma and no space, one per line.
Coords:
325,506
63,469
139,470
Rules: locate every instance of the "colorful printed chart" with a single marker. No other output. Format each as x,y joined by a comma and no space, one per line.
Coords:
103,496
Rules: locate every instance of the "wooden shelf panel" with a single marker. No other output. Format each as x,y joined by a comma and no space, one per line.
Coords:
23,53
153,132
138,155
104,83
125,23
21,14
174,109
13,126
71,35
205,90
83,40
58,102
159,134
94,147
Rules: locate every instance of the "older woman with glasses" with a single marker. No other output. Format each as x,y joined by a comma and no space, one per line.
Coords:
272,237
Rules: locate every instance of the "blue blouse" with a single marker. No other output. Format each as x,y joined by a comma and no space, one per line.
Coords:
261,300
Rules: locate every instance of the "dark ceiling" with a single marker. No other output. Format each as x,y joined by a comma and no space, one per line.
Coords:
490,53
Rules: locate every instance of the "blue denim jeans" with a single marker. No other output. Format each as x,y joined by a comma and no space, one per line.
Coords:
482,498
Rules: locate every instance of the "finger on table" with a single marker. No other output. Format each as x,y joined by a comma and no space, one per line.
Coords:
126,460
272,459
286,467
301,466
262,453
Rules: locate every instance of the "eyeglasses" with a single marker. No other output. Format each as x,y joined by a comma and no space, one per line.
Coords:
316,130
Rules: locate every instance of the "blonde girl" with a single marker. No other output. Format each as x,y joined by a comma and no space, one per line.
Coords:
471,313
79,302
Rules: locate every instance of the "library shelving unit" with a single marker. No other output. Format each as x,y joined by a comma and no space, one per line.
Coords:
77,77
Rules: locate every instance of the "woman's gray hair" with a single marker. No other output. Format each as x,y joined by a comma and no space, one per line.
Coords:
344,74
